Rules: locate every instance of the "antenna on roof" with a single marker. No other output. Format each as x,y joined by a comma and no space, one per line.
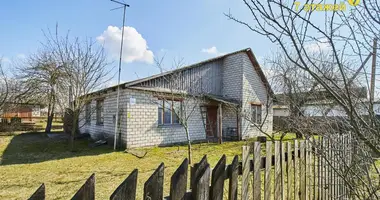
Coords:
124,6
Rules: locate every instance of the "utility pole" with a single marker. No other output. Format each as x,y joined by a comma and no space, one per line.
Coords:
124,6
373,74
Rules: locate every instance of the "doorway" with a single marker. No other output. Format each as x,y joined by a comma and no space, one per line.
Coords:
212,121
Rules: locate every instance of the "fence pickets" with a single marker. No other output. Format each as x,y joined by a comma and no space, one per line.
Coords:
303,169
154,187
39,194
233,172
127,189
178,181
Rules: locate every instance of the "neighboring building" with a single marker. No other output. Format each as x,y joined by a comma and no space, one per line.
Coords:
27,112
280,111
229,87
320,103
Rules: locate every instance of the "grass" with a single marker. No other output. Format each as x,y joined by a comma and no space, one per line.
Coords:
30,159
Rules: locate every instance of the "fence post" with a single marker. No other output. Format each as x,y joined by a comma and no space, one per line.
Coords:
328,165
39,194
325,168
127,189
296,170
307,170
283,169
233,173
315,167
178,182
195,171
201,189
256,170
277,173
268,169
154,186
245,173
217,179
319,167
289,166
302,171
87,191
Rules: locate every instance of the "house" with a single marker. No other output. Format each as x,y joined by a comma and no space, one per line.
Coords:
27,112
234,100
320,103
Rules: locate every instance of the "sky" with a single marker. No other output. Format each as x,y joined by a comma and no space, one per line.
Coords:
190,30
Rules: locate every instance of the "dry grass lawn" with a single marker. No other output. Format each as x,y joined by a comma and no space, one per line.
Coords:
29,159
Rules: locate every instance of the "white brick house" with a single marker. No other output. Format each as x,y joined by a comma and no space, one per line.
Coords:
235,95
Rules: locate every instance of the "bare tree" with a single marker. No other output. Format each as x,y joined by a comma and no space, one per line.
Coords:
40,77
183,100
297,89
84,69
345,33
4,89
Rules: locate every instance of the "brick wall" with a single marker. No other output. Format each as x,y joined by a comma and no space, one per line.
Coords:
239,81
253,90
139,122
232,77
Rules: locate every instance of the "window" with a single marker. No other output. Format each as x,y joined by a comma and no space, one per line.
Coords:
88,113
168,110
256,114
100,112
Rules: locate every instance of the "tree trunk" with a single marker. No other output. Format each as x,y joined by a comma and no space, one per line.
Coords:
49,123
298,135
74,130
188,144
50,112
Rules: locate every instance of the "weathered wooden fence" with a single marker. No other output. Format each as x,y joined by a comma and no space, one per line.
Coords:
306,169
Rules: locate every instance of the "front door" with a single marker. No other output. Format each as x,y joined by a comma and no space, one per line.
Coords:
211,121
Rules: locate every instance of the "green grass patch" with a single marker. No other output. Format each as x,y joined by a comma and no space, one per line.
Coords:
30,159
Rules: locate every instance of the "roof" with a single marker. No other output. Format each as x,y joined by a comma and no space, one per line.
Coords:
320,96
208,96
222,99
249,52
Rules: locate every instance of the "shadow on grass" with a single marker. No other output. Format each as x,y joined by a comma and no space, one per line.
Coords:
35,147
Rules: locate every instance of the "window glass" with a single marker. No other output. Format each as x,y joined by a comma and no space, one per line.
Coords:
258,120
167,112
176,111
256,114
100,112
88,113
159,103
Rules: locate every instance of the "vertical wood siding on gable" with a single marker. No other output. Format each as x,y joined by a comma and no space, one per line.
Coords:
206,78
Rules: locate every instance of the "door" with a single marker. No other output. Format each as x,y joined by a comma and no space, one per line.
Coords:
211,121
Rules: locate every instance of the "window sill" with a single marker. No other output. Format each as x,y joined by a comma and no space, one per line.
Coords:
169,125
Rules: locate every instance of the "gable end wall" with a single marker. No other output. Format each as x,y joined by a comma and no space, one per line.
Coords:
253,90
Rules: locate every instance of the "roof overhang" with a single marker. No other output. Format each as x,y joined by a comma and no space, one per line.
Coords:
222,100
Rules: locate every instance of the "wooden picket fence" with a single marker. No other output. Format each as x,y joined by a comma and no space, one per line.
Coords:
306,169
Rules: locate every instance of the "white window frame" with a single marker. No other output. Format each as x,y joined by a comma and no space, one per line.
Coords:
256,113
